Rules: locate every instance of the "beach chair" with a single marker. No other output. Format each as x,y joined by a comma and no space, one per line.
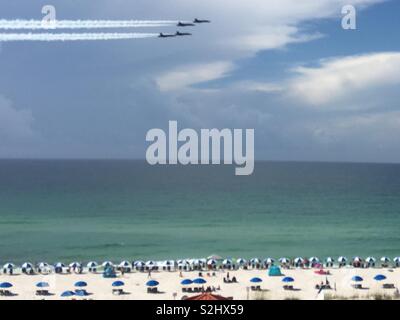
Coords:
388,286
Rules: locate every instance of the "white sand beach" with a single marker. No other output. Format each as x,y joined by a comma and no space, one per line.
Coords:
24,286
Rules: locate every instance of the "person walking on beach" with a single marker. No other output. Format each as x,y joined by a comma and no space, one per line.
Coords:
149,275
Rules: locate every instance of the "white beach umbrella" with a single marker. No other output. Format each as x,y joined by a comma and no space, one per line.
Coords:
385,259
396,260
357,259
151,263
370,260
227,262
329,260
182,262
27,265
92,264
59,265
241,261
203,260
211,262
43,265
169,263
298,260
255,261
269,260
342,259
9,265
125,264
284,260
314,260
214,257
194,262
107,264
139,264
75,265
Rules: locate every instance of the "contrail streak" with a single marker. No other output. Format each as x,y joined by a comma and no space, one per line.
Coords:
82,24
73,36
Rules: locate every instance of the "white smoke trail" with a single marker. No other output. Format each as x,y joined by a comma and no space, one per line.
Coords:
73,36
82,24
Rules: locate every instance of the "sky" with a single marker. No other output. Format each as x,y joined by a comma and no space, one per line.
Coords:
311,90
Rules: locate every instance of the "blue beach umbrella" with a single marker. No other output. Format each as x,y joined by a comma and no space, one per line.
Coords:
42,284
80,284
5,285
199,281
357,279
67,294
288,279
379,277
152,283
186,282
256,280
118,284
81,293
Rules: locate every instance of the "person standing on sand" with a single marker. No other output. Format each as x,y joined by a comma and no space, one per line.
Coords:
149,276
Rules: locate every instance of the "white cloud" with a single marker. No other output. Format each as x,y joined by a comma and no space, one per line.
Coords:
257,86
187,76
341,78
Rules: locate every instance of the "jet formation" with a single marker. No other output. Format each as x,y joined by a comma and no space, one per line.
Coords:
183,24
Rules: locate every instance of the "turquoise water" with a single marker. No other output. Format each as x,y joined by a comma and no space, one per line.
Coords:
84,210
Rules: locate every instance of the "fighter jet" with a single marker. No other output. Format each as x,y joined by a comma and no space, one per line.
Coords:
185,24
162,35
180,34
201,21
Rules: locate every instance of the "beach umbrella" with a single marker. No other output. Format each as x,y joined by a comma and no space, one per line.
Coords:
357,259
92,264
342,259
5,285
227,262
370,260
186,282
298,260
80,284
212,262
42,285
194,262
396,260
27,265
67,294
125,264
75,265
255,261
59,265
170,263
43,265
385,260
81,293
9,266
152,283
150,263
269,261
107,264
314,260
284,260
379,277
288,279
199,281
139,264
357,279
118,284
329,260
256,280
241,261
182,262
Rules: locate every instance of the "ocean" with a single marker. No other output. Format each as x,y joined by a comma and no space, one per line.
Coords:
83,210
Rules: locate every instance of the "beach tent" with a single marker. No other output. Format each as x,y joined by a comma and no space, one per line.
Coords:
81,293
109,273
274,271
